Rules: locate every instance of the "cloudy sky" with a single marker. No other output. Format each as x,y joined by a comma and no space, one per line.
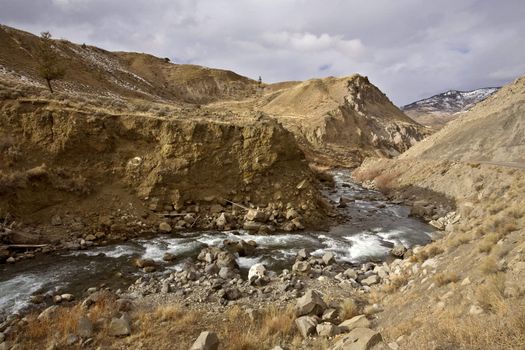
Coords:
409,48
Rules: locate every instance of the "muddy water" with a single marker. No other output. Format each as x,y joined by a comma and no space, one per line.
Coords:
372,227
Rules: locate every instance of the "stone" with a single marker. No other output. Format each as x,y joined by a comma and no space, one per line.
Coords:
168,257
10,260
226,259
330,315
475,310
56,220
306,325
145,263
119,327
252,226
355,322
359,339
297,224
301,266
256,215
37,299
256,272
311,303
67,297
326,330
291,214
302,254
90,238
221,221
48,312
71,339
350,273
206,341
84,327
328,258
232,294
398,251
164,227
226,273
370,280
212,269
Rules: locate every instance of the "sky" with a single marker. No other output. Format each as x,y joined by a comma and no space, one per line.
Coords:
410,49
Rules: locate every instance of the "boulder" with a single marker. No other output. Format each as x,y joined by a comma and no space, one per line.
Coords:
350,273
168,257
252,226
330,315
206,341
398,251
84,327
221,221
311,303
302,254
226,273
328,258
257,272
212,269
226,259
355,322
119,327
256,215
48,312
359,339
301,266
370,280
327,330
164,227
306,325
145,263
291,214
232,294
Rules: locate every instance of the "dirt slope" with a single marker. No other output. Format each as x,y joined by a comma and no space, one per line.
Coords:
76,161
494,130
97,71
345,119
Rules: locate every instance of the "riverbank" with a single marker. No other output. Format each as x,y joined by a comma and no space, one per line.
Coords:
373,227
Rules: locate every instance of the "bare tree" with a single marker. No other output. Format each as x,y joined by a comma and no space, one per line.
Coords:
50,66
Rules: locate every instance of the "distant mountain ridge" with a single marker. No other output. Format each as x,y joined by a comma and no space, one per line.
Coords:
440,109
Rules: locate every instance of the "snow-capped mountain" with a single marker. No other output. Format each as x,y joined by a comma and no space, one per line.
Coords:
439,109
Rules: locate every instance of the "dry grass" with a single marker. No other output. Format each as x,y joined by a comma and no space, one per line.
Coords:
489,265
349,309
367,174
396,282
488,241
443,278
64,322
428,252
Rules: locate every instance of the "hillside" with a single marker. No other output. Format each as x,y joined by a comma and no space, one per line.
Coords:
462,291
337,121
131,75
493,130
438,110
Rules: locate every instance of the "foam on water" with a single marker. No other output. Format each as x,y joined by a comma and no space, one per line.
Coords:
364,245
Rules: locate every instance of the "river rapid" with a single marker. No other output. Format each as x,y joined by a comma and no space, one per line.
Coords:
372,226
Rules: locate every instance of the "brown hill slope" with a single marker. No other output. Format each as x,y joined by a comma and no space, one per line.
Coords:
344,118
494,130
94,70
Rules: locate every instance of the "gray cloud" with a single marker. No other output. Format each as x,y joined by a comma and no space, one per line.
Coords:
409,48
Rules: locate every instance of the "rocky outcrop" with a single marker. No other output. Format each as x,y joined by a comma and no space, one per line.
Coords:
347,118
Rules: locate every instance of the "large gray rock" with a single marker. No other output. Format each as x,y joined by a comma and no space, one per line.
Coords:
256,273
355,322
306,325
398,251
301,266
119,327
84,327
327,330
359,339
328,258
256,215
226,259
206,341
165,227
370,280
311,303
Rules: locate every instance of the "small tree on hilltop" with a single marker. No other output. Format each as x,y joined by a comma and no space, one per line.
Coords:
49,65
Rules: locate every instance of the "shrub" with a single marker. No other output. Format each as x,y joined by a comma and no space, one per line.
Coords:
443,278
